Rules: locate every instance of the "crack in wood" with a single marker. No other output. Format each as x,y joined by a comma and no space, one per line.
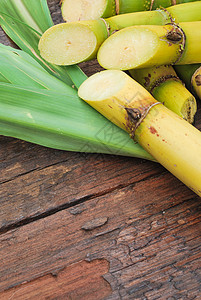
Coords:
64,206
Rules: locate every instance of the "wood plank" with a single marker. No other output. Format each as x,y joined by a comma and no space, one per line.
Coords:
82,280
149,231
77,178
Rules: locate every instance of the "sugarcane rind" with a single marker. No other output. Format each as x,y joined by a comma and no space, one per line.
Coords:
135,116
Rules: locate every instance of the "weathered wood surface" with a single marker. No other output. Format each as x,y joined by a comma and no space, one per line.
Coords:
86,226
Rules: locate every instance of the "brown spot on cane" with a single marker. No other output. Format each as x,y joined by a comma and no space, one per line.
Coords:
147,81
153,130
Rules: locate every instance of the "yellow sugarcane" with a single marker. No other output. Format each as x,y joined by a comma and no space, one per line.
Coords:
171,140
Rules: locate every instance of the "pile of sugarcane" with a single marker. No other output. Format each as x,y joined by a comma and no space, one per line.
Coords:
160,46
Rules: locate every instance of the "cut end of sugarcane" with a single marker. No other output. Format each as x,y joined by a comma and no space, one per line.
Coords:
102,85
189,109
80,10
67,44
128,48
118,97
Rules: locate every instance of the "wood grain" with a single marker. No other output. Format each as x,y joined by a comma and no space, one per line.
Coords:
150,237
66,214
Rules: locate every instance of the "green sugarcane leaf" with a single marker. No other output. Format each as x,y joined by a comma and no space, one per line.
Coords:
24,21
19,68
50,118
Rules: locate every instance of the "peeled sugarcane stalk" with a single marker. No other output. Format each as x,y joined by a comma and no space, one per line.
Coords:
165,86
171,140
80,10
72,43
191,76
151,45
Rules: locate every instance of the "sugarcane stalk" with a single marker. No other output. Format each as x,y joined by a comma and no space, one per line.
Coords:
165,86
171,140
186,12
71,43
151,45
91,10
191,76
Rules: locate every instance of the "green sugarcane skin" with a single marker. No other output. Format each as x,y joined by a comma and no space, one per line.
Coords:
138,18
163,83
185,73
126,6
110,9
188,12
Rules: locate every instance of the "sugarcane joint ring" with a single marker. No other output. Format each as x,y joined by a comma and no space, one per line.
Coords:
107,26
176,35
136,116
163,79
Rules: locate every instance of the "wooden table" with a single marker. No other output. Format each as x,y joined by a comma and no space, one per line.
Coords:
89,227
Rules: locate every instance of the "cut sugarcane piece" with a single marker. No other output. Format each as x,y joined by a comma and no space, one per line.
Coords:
71,43
171,140
164,84
191,76
90,10
98,30
151,45
81,10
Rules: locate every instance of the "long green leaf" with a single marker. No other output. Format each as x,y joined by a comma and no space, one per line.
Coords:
51,119
24,21
21,69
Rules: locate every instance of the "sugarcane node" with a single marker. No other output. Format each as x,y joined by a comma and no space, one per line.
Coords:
162,80
198,80
174,35
107,26
134,114
169,16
